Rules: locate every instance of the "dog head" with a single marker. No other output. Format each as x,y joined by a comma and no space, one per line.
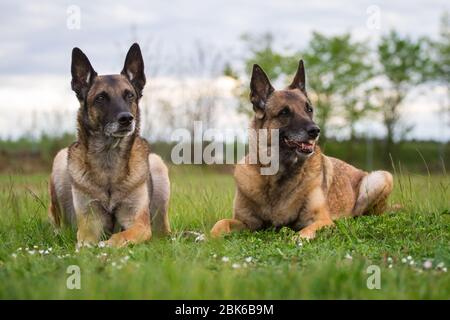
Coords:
109,103
288,110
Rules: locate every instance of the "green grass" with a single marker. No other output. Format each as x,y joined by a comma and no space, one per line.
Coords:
179,267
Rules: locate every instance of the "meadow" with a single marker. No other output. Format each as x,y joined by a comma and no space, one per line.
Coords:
411,247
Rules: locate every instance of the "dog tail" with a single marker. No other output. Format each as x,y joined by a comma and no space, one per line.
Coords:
160,194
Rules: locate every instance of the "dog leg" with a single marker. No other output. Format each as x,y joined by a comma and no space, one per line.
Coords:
309,232
226,226
91,220
373,193
140,231
318,213
90,229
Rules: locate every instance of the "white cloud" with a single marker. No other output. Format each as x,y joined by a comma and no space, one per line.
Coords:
36,45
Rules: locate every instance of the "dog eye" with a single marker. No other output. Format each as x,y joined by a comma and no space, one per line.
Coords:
129,96
100,98
309,109
285,111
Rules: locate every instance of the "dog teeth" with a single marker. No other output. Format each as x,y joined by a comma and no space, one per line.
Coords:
306,146
303,146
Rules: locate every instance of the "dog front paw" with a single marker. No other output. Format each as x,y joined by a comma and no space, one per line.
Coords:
117,240
84,244
221,227
306,234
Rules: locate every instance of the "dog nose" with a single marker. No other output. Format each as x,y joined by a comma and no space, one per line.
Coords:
125,118
313,131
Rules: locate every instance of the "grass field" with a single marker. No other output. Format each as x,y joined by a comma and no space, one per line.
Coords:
263,265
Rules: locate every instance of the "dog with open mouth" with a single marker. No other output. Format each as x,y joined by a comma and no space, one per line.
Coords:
310,190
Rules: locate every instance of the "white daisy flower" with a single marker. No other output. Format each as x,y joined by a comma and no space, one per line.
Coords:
427,264
409,258
200,238
225,259
235,265
248,259
14,255
403,260
389,259
101,244
440,265
348,256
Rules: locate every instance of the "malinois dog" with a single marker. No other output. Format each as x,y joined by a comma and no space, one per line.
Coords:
310,190
108,183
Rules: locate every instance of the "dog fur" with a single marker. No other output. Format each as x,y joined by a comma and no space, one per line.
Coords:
108,183
310,190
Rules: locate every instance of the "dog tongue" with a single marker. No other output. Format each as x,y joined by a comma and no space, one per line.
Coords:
304,146
307,146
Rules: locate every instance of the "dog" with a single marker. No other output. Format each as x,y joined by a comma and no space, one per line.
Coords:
107,183
310,190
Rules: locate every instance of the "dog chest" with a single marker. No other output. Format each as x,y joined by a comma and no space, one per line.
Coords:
284,212
273,203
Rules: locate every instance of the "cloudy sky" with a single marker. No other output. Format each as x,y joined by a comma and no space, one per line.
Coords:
37,37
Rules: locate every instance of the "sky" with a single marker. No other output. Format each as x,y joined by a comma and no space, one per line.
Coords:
37,38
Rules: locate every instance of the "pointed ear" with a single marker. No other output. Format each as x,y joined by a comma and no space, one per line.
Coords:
260,90
299,81
134,68
83,74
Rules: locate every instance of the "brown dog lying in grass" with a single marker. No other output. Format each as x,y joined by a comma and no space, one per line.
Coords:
310,190
108,183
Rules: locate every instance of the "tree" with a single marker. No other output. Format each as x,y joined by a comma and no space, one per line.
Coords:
442,53
441,70
337,68
402,65
261,50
